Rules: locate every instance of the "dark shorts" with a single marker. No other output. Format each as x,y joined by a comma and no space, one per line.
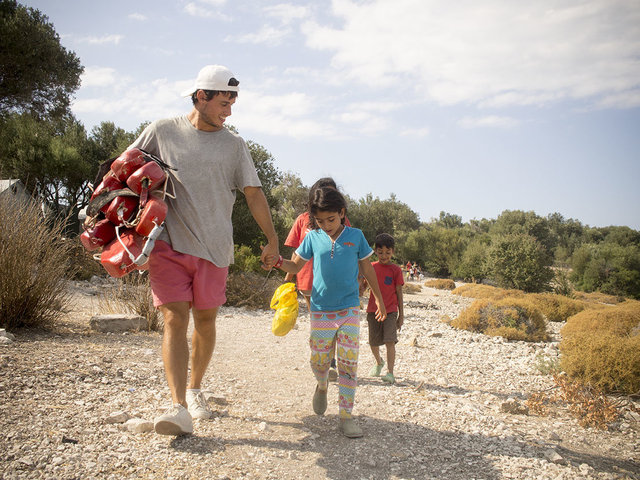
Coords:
382,332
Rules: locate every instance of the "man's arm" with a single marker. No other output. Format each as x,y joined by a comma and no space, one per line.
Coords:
259,208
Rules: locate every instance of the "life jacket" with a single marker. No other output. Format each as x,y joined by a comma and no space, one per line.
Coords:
126,211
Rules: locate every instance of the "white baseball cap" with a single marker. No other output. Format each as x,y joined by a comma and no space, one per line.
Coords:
214,77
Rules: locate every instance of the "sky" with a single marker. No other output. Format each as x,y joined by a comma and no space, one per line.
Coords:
470,107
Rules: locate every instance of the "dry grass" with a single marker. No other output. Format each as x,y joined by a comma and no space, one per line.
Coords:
511,318
249,289
410,288
600,347
598,298
557,308
34,266
441,284
477,290
132,294
589,405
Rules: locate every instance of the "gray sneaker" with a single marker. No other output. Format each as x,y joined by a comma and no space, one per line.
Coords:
175,421
198,407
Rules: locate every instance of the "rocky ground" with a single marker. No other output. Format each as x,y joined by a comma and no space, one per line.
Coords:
64,392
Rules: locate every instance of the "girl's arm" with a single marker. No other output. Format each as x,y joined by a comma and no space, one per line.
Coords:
372,279
291,266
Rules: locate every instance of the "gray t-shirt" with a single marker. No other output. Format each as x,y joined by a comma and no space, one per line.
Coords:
210,167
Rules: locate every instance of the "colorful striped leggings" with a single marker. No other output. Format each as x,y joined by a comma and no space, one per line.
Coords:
344,327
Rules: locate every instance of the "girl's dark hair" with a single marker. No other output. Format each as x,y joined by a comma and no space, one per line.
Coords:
325,199
323,182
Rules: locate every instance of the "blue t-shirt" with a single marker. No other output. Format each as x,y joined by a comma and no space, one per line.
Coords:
335,267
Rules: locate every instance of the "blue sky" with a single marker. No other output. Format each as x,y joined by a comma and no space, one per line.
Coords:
471,107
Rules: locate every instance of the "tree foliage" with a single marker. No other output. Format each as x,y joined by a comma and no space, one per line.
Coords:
608,267
37,74
374,216
245,229
519,260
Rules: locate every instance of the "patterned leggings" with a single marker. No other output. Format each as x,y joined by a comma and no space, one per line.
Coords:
344,327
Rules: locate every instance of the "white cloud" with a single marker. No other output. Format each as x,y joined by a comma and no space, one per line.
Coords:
287,12
488,121
98,77
494,53
124,97
292,114
105,39
416,132
202,9
268,35
138,16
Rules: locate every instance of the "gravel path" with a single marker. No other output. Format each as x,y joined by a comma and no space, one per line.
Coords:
442,420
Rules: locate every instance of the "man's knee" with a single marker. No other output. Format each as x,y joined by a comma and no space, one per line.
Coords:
175,316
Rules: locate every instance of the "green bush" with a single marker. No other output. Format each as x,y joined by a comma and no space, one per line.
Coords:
34,264
520,261
245,260
473,266
607,267
511,318
600,347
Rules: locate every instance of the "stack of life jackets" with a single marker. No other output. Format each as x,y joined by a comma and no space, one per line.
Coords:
126,212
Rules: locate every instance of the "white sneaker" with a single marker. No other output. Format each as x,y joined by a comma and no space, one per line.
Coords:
198,407
175,421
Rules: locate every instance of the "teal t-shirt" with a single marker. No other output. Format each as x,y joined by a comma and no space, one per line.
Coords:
335,267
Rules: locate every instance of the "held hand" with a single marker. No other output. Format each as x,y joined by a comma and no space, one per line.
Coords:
268,258
381,312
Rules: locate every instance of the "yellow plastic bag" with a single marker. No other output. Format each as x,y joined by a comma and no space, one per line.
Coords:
285,303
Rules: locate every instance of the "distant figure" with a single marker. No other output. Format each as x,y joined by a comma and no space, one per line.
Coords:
338,252
385,333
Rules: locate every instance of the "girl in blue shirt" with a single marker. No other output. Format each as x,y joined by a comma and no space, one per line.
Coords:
338,253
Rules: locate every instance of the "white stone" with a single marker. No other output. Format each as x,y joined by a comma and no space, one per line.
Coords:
117,417
139,425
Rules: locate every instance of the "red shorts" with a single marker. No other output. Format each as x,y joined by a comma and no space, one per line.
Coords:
180,277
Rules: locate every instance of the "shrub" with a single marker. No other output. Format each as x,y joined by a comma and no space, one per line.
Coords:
33,264
590,406
600,347
411,288
132,294
557,308
561,284
441,284
609,268
245,260
598,298
511,318
519,261
472,266
251,289
82,263
474,290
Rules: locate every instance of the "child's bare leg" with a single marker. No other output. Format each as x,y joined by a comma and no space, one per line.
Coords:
375,349
391,355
